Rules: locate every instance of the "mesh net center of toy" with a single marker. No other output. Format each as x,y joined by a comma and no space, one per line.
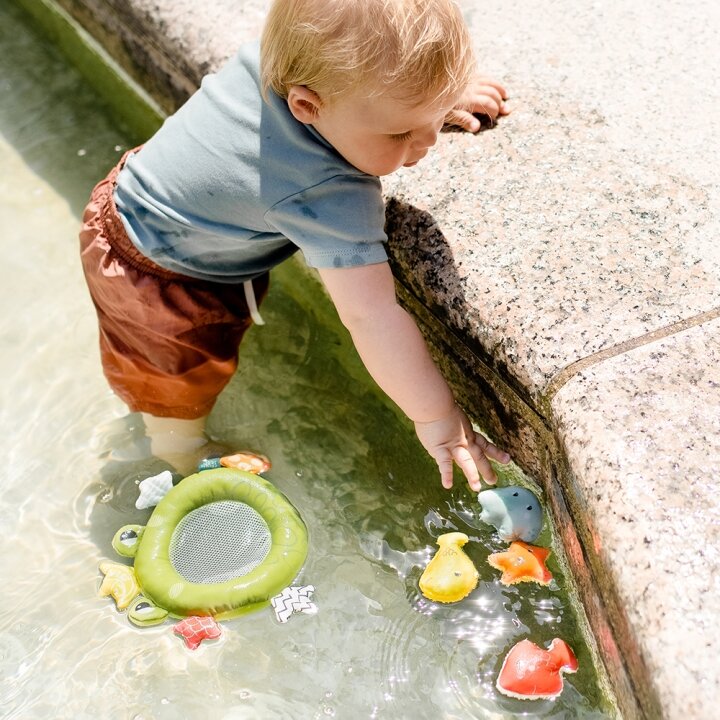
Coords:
219,541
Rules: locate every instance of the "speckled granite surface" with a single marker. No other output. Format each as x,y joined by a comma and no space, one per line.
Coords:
565,266
642,431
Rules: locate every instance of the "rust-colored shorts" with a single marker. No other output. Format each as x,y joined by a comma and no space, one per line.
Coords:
168,342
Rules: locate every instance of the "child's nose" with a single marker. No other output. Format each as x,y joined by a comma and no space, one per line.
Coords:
426,138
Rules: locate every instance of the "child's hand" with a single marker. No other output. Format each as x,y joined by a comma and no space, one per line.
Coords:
453,439
484,97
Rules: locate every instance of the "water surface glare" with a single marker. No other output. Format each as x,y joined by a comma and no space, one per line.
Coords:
348,461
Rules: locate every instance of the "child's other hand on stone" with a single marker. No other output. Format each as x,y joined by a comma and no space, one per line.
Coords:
483,96
452,439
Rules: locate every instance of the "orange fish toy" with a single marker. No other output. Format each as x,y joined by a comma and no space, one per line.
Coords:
531,673
522,562
248,461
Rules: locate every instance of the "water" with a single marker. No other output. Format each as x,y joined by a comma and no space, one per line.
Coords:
340,451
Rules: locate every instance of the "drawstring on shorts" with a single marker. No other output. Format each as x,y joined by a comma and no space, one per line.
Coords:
252,303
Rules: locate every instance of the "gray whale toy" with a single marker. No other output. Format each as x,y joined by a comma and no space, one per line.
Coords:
514,511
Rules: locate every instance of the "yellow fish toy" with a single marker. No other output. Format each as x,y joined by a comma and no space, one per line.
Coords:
450,575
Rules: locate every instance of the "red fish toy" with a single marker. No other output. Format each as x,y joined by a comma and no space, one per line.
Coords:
531,673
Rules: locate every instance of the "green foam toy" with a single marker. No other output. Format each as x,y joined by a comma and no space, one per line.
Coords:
220,543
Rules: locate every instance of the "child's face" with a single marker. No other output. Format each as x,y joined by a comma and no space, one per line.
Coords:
381,134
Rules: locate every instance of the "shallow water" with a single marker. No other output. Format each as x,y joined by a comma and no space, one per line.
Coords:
343,455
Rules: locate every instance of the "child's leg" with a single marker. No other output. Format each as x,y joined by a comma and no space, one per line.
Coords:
173,436
168,342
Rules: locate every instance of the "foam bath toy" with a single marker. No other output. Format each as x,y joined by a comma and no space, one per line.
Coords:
522,563
119,583
513,511
218,544
450,575
144,613
154,489
248,461
126,538
194,629
294,599
531,673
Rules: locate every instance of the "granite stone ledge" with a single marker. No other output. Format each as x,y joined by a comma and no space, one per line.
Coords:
642,436
168,46
546,258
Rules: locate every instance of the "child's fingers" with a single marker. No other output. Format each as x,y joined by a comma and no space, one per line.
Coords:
445,465
479,104
486,94
481,462
486,104
495,453
464,119
486,470
468,465
491,82
481,449
489,450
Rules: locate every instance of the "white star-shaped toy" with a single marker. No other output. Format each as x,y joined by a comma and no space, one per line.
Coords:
154,489
294,599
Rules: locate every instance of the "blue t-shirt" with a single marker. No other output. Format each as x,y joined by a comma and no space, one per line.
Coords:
232,185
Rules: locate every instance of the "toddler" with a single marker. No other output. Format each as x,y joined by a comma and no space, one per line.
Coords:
282,151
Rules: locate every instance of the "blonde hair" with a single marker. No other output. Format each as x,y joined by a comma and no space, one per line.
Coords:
411,49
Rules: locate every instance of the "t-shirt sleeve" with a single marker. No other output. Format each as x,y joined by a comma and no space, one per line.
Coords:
337,223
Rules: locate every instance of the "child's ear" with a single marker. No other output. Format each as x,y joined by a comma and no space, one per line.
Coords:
304,104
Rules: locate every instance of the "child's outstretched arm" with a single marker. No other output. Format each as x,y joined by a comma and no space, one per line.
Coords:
394,353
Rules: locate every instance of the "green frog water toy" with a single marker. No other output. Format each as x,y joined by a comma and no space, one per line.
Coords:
220,543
